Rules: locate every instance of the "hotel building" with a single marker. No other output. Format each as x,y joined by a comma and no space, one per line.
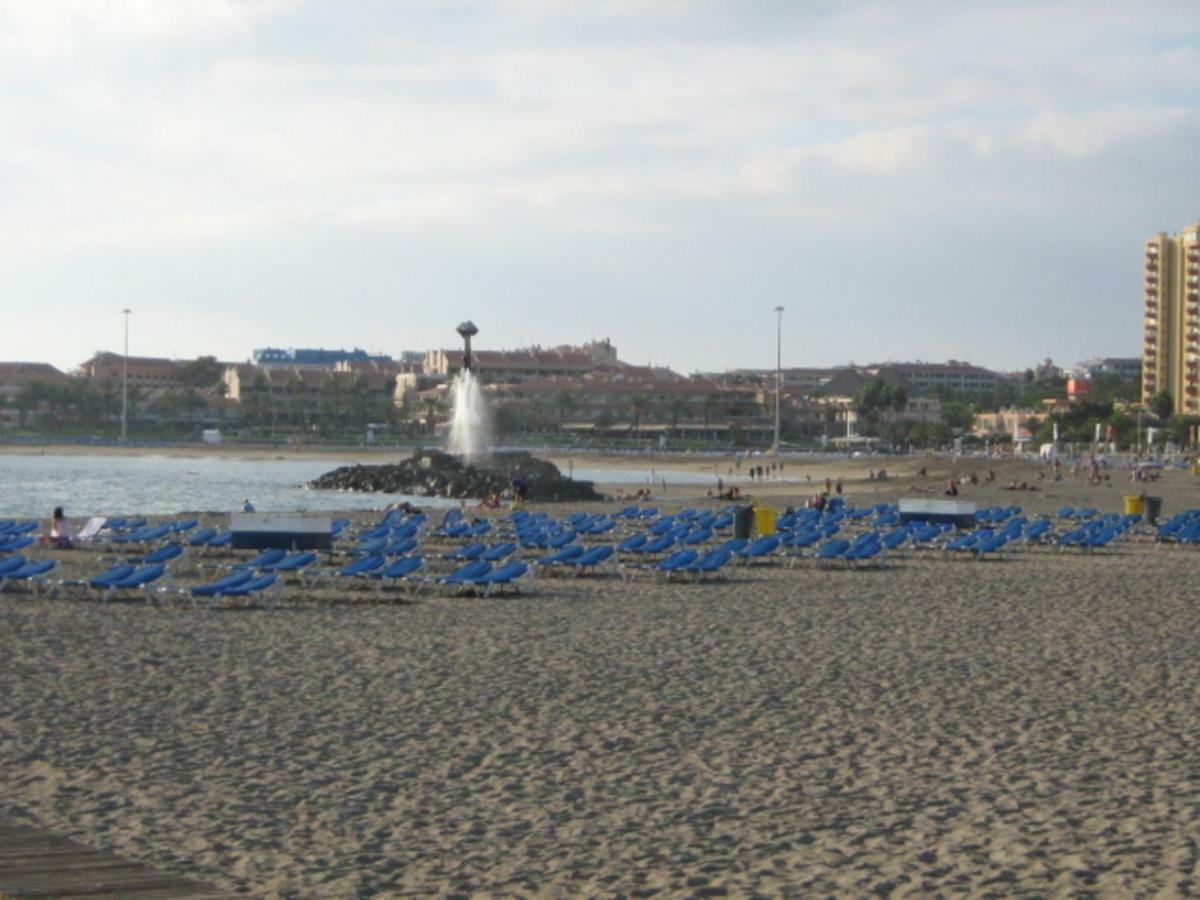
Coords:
1171,318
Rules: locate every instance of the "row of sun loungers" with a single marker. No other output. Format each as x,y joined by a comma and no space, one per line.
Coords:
399,552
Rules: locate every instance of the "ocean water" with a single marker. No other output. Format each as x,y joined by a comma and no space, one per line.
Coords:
32,485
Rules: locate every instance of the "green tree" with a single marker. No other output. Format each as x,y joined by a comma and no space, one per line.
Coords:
639,405
677,408
563,404
1162,405
432,410
202,372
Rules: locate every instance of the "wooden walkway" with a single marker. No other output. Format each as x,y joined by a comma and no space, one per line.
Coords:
35,863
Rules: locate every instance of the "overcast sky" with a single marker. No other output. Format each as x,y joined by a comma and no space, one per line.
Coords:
910,180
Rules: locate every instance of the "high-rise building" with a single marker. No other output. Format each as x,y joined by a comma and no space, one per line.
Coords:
1171,318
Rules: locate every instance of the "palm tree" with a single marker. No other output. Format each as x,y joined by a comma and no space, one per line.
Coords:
431,406
677,409
563,404
639,405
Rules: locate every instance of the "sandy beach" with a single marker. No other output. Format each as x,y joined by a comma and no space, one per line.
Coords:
1023,725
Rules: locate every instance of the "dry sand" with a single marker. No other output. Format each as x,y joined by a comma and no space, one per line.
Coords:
1026,725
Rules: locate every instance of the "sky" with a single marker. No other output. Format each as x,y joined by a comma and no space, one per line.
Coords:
909,180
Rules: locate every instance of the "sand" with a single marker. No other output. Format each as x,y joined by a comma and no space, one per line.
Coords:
937,726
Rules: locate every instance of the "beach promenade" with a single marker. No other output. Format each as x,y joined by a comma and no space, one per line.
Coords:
1018,725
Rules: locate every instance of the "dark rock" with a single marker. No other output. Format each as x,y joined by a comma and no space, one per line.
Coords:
431,473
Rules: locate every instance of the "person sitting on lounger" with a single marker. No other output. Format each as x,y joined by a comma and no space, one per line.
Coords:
60,531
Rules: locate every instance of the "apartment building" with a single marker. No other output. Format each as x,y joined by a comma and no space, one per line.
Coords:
1171,318
146,372
529,364
952,375
14,376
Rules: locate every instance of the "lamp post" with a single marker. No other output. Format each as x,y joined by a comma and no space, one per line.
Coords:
125,381
778,371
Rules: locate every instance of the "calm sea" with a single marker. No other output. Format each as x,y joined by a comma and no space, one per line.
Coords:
32,485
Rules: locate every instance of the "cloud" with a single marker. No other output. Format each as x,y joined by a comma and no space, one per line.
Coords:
61,27
1078,135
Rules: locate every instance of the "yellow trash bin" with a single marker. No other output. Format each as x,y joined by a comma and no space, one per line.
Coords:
764,520
1135,505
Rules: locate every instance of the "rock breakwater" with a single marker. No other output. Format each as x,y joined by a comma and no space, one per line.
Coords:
431,473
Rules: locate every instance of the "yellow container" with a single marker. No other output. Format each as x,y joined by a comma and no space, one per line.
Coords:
1135,505
764,520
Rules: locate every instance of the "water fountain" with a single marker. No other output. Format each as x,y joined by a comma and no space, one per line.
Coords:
463,472
469,430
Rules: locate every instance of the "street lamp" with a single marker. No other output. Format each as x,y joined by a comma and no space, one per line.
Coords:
778,371
125,381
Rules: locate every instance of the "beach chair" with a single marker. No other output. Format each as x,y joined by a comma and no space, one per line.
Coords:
562,557
90,530
11,563
455,579
714,562
632,543
106,579
139,581
31,573
267,557
831,550
498,552
467,553
144,535
759,548
404,571
592,558
163,554
497,580
256,587
214,589
676,561
398,547
202,537
991,546
561,539
13,543
362,566
291,564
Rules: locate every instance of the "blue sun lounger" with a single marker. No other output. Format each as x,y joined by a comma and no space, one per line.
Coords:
11,564
711,563
201,537
403,571
470,571
496,580
33,573
257,586
163,554
213,589
16,542
759,548
294,563
138,581
592,558
467,553
561,557
362,566
675,562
